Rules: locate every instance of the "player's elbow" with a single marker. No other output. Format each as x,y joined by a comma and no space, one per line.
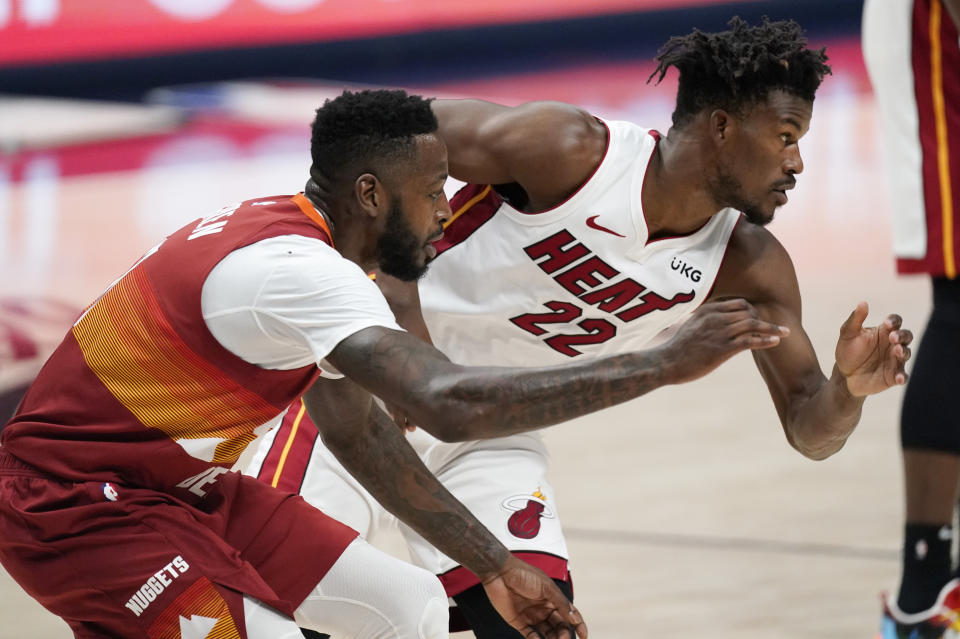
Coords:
457,424
815,450
454,412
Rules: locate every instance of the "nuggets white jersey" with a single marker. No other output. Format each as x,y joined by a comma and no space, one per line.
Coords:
580,279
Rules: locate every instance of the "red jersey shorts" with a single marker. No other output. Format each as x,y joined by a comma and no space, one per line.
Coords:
121,561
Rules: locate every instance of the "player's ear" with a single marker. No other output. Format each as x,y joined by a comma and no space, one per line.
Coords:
369,191
721,125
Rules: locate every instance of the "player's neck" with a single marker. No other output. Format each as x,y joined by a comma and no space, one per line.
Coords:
676,200
348,240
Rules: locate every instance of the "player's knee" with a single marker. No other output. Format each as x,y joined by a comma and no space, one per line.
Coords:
422,611
418,610
435,616
369,595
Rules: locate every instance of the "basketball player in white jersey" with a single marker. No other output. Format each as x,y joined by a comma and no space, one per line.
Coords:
594,237
912,53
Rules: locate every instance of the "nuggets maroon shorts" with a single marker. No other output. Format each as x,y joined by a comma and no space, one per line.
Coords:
119,561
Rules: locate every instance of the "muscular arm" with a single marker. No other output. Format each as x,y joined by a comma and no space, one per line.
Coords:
404,300
457,403
375,451
818,414
548,148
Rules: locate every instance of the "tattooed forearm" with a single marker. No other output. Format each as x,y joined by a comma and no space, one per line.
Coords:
541,397
455,403
375,451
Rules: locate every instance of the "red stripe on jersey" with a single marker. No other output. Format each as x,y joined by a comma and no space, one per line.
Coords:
936,59
459,579
286,462
473,206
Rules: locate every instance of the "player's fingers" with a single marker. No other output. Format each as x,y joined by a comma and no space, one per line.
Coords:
581,629
561,631
756,342
899,372
902,353
756,326
731,305
559,626
853,325
565,612
575,619
542,628
902,336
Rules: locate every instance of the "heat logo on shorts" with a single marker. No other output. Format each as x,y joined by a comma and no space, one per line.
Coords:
525,522
155,585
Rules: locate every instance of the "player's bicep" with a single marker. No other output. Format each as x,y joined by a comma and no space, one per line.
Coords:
791,370
549,148
469,129
759,269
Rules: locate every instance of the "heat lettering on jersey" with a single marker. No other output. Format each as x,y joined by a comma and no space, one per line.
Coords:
594,282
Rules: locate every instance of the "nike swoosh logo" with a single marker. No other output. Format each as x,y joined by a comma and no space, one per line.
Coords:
592,223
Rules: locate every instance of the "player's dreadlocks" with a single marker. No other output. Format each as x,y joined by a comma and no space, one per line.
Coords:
738,67
358,129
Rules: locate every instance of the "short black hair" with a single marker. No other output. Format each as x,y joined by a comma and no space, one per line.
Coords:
739,67
356,131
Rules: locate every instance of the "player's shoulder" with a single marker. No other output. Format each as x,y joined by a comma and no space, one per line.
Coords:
753,243
552,111
754,264
553,123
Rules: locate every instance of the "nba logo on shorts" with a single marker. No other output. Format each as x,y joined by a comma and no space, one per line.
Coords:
524,523
110,491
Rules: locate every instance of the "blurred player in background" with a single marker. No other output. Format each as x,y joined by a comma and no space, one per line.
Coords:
577,238
913,58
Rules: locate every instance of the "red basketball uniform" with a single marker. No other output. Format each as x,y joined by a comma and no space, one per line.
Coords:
118,511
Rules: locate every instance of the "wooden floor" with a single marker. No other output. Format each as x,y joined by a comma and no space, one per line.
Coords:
687,513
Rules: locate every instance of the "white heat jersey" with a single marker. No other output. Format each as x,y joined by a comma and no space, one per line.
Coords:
581,279
512,288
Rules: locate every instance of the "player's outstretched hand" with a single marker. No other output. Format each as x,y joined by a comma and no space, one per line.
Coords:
530,602
714,333
872,358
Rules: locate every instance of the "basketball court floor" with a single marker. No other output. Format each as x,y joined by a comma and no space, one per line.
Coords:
687,512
